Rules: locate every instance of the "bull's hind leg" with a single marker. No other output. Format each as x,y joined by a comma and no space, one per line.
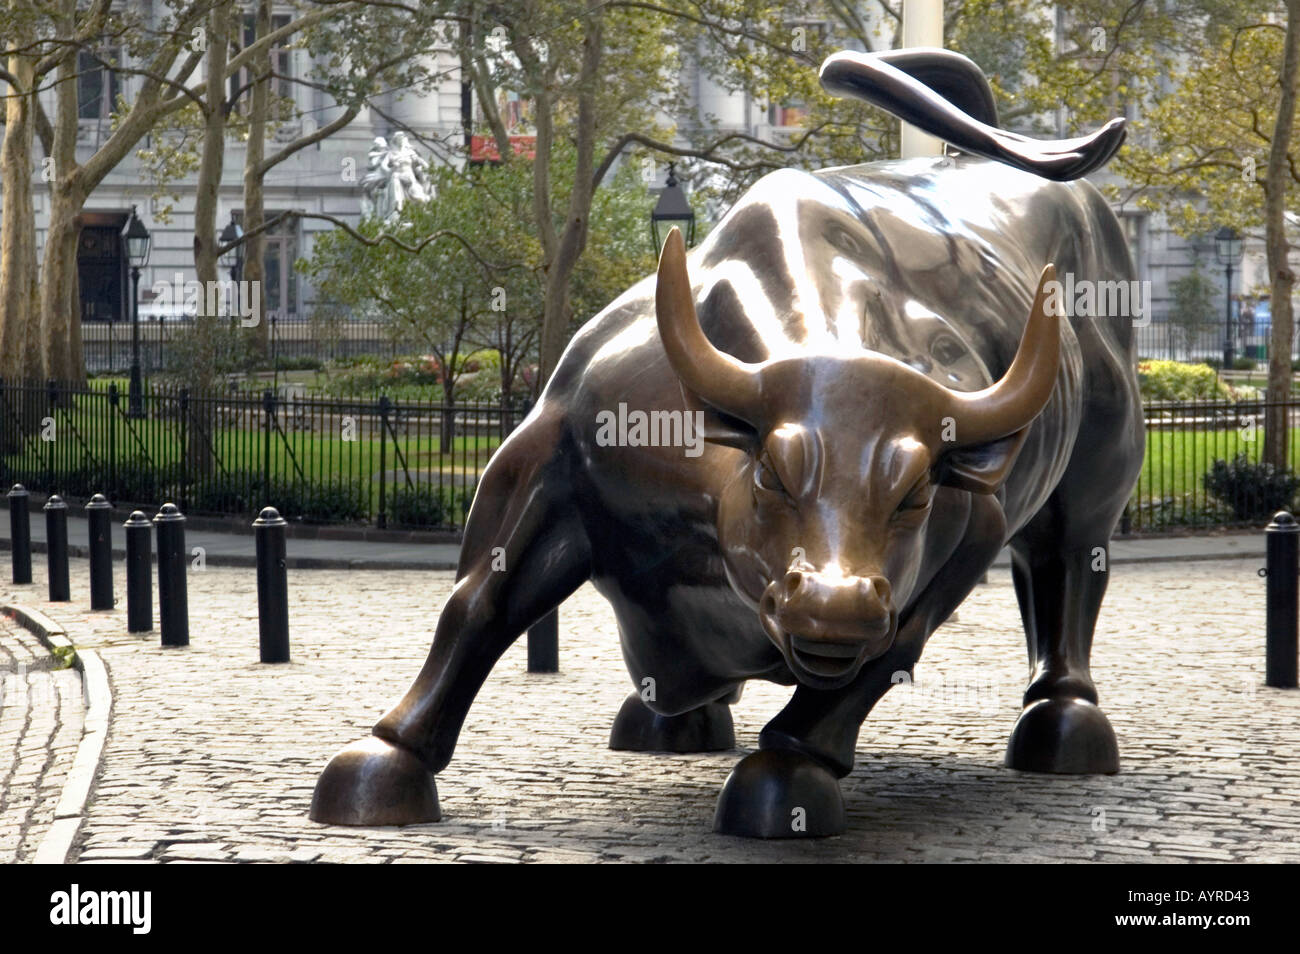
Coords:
524,552
1060,584
638,728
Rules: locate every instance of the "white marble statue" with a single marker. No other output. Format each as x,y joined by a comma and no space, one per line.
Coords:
395,174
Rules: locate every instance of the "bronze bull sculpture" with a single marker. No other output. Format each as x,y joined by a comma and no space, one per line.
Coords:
872,391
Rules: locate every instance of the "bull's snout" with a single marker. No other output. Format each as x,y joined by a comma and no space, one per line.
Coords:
828,625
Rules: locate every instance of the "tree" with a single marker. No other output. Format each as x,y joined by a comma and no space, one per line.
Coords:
164,44
1194,311
476,278
1216,149
444,289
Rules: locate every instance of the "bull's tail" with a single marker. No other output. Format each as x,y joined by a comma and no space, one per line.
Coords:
946,95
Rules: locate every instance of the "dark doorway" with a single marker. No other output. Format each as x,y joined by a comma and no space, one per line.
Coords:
101,267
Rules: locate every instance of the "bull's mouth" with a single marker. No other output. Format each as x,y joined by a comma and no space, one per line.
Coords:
827,661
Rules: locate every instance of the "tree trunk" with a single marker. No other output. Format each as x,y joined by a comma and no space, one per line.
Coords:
1277,421
19,349
573,240
254,273
20,356
60,333
212,159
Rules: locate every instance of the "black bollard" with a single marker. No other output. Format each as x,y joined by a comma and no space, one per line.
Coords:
99,517
272,586
56,537
544,643
173,600
20,534
1282,544
139,570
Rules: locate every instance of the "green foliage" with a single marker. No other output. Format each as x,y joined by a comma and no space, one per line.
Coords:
1193,310
1175,381
424,508
1252,490
198,356
246,492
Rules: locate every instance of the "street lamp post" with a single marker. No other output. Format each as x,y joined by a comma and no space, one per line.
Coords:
137,253
1227,249
672,209
233,259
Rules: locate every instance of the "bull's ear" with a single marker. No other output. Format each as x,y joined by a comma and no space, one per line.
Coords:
983,468
719,426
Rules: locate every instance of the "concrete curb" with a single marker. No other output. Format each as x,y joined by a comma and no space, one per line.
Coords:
71,808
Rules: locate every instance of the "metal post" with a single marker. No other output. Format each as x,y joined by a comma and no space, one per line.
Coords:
1282,545
139,574
20,533
56,536
173,599
272,586
135,390
268,407
1229,352
381,520
544,643
99,518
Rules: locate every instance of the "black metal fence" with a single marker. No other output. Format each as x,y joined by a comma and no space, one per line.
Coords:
416,464
1171,342
402,464
107,346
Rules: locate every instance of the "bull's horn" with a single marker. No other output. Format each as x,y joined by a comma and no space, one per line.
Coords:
1024,390
718,378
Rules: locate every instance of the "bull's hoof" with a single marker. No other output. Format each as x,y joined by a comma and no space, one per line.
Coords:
638,728
779,793
1065,736
373,782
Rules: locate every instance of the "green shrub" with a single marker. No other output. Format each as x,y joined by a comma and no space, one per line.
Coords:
425,508
1175,381
1252,490
1243,363
135,480
245,493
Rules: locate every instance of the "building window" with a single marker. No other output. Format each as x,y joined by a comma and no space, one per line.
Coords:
278,255
281,67
97,85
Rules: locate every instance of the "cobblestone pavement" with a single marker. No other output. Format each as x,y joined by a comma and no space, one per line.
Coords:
213,757
41,708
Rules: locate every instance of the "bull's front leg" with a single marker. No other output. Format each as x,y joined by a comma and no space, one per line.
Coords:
790,787
524,552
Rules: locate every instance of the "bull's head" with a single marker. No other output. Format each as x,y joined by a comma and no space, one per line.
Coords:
824,528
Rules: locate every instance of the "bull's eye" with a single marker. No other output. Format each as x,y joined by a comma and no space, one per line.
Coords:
765,476
916,501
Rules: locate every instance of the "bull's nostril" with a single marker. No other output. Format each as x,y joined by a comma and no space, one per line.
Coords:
767,606
877,586
792,581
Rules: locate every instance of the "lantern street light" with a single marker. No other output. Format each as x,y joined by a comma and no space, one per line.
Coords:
1227,249
137,252
672,209
233,258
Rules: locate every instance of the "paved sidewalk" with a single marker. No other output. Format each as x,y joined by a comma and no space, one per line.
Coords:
213,757
236,549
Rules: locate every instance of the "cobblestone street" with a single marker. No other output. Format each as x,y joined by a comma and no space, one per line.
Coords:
40,724
213,757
